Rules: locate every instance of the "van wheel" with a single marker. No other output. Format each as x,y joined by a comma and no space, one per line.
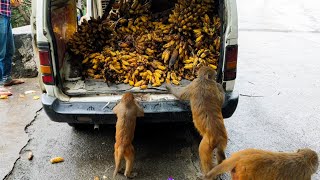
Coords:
78,126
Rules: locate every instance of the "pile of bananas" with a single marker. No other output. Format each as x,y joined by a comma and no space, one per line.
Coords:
140,49
91,37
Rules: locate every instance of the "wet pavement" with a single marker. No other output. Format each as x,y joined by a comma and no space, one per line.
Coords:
278,78
16,113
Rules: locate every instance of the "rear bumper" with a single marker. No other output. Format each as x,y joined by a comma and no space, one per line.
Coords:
101,112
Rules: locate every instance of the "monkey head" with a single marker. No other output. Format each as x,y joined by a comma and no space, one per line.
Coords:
127,98
207,73
311,157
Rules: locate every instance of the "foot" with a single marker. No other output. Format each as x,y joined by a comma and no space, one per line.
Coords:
14,82
201,176
5,92
131,175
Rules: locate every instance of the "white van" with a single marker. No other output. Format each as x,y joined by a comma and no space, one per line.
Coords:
83,101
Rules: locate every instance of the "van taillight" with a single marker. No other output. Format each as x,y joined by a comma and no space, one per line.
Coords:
45,67
230,69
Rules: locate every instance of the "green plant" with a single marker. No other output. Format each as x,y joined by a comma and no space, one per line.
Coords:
21,15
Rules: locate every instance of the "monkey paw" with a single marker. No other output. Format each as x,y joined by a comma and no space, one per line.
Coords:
200,176
132,175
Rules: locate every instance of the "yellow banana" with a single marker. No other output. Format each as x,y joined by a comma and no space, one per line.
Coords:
199,38
85,60
161,67
93,55
56,160
173,75
149,72
175,82
157,75
188,66
204,54
169,44
159,71
143,86
156,84
138,84
213,66
200,52
166,55
168,75
188,61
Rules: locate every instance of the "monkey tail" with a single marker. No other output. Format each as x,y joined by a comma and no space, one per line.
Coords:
225,166
118,157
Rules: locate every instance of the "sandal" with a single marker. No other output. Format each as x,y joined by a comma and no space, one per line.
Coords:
4,91
14,82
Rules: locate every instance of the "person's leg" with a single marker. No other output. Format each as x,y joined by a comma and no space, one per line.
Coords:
9,54
8,59
3,45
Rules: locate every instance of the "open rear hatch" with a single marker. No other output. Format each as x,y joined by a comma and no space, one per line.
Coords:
65,25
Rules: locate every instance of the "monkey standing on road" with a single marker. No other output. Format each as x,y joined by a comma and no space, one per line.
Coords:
265,165
206,98
127,112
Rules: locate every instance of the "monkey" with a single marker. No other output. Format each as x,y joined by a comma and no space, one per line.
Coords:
127,111
206,99
265,165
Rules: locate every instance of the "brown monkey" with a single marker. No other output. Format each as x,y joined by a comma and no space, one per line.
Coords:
265,165
206,98
127,111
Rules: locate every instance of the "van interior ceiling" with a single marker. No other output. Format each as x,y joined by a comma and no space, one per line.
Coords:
65,18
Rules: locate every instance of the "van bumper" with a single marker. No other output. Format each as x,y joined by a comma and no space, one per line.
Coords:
101,112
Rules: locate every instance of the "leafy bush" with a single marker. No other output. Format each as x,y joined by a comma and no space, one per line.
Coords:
21,14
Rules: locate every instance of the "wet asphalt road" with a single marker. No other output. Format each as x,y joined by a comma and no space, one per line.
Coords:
279,83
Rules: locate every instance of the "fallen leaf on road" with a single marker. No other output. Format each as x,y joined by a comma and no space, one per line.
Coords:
3,96
30,156
21,96
56,160
104,177
29,92
36,97
96,178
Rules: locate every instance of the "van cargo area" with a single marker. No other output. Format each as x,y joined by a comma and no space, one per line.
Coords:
91,53
138,46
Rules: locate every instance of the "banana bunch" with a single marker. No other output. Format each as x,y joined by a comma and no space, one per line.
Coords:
133,26
138,7
133,68
203,57
94,63
149,73
172,77
91,37
116,64
186,15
